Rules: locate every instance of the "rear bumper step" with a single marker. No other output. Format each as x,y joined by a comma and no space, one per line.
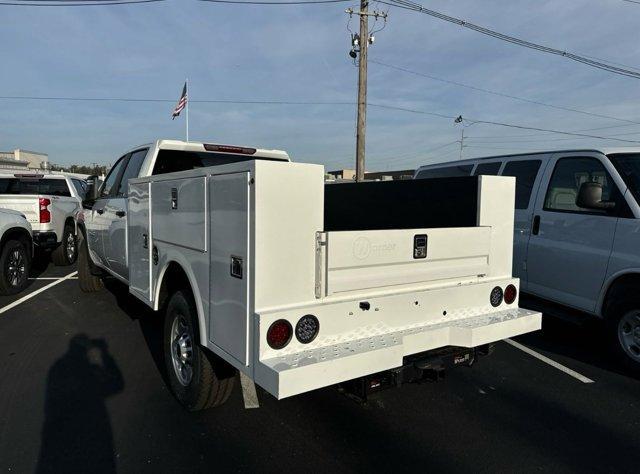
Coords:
315,368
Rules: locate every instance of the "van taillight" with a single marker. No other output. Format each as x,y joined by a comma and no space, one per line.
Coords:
45,215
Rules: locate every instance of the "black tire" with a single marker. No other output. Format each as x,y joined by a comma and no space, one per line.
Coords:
199,379
15,265
66,253
89,283
624,318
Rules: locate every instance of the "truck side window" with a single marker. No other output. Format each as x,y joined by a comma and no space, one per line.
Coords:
490,169
567,177
525,173
111,177
81,187
131,171
447,172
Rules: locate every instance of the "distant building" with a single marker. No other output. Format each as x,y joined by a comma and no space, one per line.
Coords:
23,160
350,175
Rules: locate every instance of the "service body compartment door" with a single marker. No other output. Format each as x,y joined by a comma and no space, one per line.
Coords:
366,260
139,242
229,254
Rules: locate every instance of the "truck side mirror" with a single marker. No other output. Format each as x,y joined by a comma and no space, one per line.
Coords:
590,197
93,189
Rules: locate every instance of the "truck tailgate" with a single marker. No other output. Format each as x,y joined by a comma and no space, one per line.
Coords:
361,260
26,204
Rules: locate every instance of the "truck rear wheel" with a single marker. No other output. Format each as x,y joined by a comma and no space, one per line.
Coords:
67,252
89,283
14,267
198,378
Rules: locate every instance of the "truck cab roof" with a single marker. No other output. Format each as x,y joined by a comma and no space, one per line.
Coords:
165,156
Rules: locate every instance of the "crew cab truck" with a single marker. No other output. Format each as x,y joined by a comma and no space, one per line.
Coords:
16,249
261,268
50,202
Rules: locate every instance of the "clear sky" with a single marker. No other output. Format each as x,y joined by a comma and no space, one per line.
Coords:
299,53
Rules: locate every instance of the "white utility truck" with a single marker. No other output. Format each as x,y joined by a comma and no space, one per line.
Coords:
259,266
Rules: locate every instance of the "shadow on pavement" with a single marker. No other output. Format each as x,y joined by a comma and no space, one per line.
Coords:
587,342
77,435
151,323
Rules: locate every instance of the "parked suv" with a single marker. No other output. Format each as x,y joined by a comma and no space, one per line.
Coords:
50,203
15,251
577,232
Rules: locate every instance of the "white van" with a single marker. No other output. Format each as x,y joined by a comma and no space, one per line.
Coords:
577,232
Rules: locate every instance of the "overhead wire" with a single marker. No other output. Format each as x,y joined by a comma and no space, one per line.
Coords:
74,3
606,66
287,102
502,94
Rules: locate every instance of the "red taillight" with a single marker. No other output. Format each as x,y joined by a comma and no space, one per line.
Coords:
45,215
279,334
510,293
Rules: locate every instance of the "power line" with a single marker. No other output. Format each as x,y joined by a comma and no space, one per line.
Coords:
502,94
504,139
503,124
606,66
200,101
286,102
267,2
74,3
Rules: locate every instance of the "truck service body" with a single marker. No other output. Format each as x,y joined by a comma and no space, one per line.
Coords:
294,287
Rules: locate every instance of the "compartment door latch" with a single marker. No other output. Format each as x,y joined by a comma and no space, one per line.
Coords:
420,246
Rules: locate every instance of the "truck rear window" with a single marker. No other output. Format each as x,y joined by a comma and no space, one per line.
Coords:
170,161
53,187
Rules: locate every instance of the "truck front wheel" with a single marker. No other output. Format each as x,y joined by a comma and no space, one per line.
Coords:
198,378
89,283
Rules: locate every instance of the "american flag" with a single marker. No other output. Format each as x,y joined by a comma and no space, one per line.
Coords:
182,103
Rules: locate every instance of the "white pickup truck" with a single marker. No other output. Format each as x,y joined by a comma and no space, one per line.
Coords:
50,202
260,267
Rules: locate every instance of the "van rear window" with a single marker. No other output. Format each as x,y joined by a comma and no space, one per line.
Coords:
52,187
490,169
445,172
525,173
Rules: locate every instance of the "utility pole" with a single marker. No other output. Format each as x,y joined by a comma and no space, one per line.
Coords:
461,141
360,45
362,90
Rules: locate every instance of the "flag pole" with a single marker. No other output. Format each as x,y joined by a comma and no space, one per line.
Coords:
187,106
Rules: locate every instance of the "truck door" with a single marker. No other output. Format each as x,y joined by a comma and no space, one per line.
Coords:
98,224
528,174
115,213
229,268
570,246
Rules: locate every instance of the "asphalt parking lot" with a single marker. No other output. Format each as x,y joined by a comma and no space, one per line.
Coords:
82,390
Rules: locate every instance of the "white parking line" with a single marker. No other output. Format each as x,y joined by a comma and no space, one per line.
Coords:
552,363
37,292
51,278
249,392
